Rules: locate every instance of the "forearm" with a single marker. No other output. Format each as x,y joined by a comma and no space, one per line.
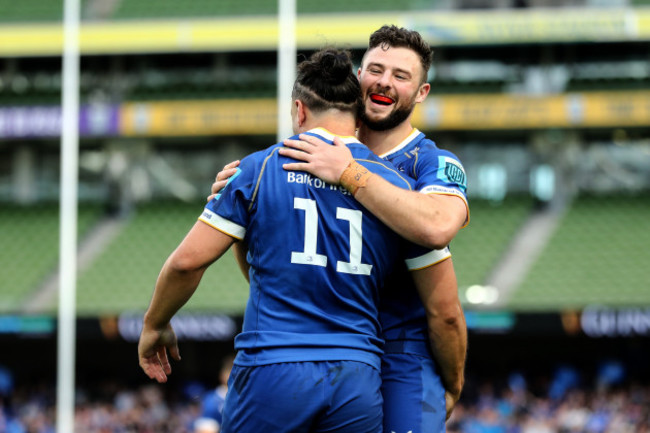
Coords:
438,289
448,339
430,220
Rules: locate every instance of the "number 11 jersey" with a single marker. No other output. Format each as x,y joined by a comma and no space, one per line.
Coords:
317,259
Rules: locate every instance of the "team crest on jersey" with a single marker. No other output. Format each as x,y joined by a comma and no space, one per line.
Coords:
454,171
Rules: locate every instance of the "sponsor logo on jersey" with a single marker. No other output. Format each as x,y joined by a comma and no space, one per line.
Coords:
437,189
206,215
314,182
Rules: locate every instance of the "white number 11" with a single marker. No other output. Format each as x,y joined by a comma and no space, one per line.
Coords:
309,256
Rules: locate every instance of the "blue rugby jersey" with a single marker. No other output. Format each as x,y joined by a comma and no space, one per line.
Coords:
435,171
317,260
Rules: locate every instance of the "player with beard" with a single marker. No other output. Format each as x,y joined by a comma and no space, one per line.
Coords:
423,364
393,80
309,354
419,394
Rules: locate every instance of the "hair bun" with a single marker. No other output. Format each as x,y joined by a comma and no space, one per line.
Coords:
329,75
335,66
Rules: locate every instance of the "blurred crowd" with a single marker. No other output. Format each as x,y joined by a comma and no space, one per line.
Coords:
498,405
606,410
111,409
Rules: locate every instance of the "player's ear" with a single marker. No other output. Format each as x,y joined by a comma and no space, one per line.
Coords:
423,91
301,112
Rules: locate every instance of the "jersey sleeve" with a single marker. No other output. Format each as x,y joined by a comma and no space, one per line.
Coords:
229,212
418,257
441,173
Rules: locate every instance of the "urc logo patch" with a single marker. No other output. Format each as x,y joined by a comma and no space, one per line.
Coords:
454,173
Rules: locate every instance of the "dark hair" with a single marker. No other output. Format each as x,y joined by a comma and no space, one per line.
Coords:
399,37
326,80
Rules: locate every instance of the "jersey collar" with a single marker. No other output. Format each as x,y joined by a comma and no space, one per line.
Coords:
347,139
414,133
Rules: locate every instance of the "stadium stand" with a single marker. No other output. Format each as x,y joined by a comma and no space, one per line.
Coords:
168,8
597,256
138,9
458,70
35,11
30,11
29,237
123,276
478,247
204,83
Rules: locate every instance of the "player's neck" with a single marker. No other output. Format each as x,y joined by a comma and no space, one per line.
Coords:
381,142
337,125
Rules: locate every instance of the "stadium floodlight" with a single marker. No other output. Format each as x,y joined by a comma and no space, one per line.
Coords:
481,295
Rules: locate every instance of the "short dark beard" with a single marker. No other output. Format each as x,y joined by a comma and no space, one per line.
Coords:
391,121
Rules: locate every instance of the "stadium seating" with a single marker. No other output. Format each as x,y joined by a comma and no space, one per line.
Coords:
478,247
43,11
597,256
203,8
169,8
123,276
595,85
29,236
203,83
31,11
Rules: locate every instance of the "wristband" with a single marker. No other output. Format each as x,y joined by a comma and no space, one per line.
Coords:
354,176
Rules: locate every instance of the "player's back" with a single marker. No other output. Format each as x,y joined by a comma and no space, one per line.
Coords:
318,259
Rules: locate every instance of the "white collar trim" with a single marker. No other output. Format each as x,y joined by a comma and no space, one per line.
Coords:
347,139
403,144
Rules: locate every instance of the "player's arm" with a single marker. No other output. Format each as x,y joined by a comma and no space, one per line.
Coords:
438,290
239,249
430,220
177,281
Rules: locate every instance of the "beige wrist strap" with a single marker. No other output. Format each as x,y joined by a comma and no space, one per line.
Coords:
354,176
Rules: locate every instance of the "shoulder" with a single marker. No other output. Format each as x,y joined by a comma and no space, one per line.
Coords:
261,155
428,153
257,160
435,165
386,170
